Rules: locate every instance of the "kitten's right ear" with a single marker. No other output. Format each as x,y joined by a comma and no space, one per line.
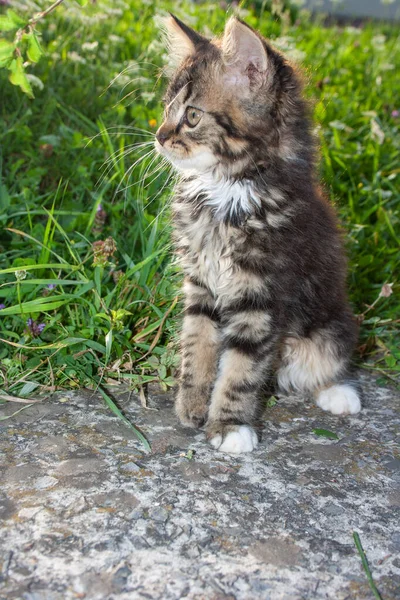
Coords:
244,54
181,41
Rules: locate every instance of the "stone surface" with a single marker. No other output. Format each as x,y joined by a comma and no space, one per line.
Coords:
86,513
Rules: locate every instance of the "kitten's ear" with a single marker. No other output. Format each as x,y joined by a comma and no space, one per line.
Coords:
244,54
181,41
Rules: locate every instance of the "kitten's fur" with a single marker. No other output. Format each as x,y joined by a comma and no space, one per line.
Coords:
262,257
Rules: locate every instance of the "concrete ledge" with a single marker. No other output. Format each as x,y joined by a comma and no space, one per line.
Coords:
87,514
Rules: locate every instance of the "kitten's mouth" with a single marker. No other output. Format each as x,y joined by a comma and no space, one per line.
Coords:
160,149
200,162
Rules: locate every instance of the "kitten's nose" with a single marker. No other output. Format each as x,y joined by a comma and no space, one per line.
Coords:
162,136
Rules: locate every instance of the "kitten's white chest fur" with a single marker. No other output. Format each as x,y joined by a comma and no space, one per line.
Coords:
210,253
209,239
227,197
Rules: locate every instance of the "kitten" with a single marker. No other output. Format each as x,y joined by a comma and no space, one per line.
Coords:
262,256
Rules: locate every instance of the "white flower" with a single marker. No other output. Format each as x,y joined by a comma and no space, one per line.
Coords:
386,290
90,45
379,40
376,132
75,57
35,81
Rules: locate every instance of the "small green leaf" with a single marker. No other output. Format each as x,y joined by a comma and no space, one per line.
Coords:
82,2
103,316
16,19
325,433
271,402
18,76
28,388
6,52
390,361
371,321
34,51
6,24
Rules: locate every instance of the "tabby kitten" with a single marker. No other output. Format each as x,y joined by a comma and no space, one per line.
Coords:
262,256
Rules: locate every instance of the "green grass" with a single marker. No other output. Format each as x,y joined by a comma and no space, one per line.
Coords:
69,179
365,565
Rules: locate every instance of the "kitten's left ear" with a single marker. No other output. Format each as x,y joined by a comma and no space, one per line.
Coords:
182,41
244,54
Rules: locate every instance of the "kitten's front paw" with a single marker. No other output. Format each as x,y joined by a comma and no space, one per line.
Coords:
232,439
339,400
191,408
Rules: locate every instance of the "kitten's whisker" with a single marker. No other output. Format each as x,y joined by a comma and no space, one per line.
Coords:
121,131
173,99
131,67
159,214
146,62
124,129
141,129
118,190
155,172
143,178
121,153
120,100
114,161
143,81
170,175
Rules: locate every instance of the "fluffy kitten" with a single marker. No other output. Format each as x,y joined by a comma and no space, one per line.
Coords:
262,257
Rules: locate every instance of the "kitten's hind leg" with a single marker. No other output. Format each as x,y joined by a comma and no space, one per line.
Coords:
318,364
199,348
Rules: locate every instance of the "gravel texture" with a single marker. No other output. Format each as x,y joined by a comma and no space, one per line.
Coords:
87,513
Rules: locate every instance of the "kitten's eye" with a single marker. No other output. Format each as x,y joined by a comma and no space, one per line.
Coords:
193,116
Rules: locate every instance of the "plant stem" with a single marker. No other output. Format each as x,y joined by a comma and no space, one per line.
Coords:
44,13
32,22
365,565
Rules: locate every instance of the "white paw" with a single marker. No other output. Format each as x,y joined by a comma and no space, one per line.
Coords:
339,400
216,441
242,439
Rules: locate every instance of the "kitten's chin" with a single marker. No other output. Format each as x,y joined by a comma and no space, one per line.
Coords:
199,163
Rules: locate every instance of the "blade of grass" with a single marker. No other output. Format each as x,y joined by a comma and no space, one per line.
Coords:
33,267
48,233
46,250
9,398
159,332
114,408
47,282
37,305
65,236
365,565
16,412
61,344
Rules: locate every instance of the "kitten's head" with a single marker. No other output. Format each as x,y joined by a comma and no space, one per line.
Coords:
230,103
